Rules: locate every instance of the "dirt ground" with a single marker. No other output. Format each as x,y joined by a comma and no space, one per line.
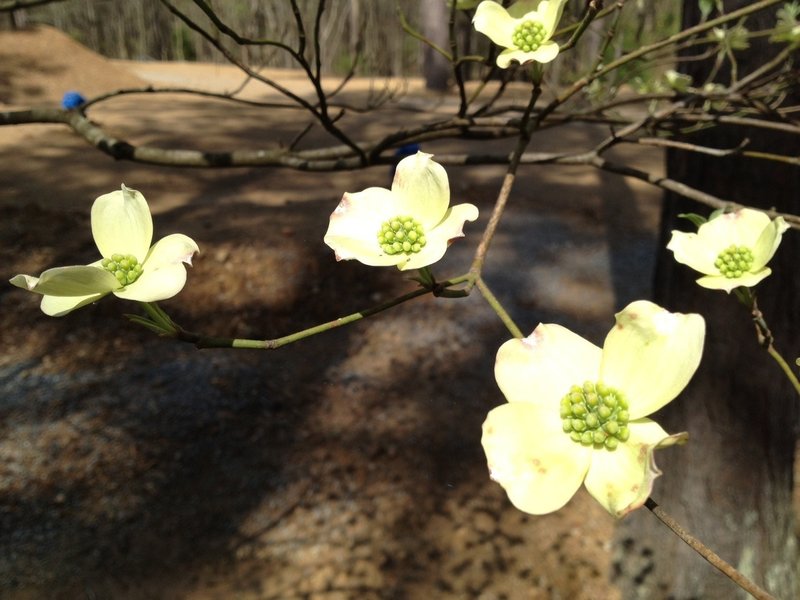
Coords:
344,466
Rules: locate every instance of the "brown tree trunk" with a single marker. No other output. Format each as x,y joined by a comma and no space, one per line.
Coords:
435,68
731,485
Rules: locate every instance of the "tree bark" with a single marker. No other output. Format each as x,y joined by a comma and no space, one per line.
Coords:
731,485
435,68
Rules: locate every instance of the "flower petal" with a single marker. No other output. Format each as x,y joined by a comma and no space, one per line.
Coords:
354,226
121,224
441,236
651,354
422,188
523,10
621,479
493,21
510,54
550,14
164,274
720,282
742,227
767,244
540,467
545,53
58,306
696,252
83,280
542,367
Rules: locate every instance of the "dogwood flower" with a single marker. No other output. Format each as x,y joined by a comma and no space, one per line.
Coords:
409,226
731,250
524,30
130,268
576,413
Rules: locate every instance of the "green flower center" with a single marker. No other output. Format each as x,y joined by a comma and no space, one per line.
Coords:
401,235
734,261
124,267
528,35
595,415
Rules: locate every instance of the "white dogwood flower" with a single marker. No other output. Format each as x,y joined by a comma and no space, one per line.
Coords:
576,413
524,29
731,250
130,268
409,226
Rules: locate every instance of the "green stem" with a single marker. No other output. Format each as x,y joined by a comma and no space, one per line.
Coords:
712,557
785,367
204,341
764,334
492,300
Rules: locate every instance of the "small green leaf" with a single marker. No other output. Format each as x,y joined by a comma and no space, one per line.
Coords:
694,218
145,322
706,6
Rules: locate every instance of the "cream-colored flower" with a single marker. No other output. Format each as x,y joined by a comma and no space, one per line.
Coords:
524,30
122,229
731,250
576,413
409,226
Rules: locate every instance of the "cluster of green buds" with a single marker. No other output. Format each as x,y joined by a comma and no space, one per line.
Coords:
595,415
734,261
125,267
401,235
528,35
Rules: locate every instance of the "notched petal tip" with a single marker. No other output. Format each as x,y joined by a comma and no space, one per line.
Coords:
343,206
26,282
652,472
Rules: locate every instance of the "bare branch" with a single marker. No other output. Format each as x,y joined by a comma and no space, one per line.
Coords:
18,4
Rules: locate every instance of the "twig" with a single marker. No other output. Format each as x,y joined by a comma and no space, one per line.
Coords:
508,182
501,312
704,551
204,341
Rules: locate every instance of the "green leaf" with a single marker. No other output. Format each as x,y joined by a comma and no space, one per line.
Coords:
706,6
145,322
694,218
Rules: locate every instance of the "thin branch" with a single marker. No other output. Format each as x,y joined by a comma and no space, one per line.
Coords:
321,115
418,36
526,129
589,15
18,4
204,341
498,308
644,50
241,40
681,188
712,557
666,143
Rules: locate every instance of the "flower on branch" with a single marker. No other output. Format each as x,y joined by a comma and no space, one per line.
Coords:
130,268
409,226
524,29
787,28
576,413
731,250
679,82
730,39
